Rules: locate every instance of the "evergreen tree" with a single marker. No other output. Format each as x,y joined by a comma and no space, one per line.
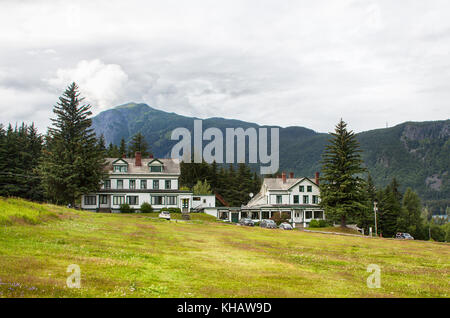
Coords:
342,189
410,219
71,164
388,212
123,148
138,143
202,188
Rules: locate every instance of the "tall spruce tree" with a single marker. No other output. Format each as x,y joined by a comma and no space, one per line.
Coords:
71,164
342,188
138,143
410,219
123,148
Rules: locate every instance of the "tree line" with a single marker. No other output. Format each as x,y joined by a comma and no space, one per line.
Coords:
348,197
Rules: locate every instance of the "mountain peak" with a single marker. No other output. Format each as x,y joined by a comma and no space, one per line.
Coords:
132,105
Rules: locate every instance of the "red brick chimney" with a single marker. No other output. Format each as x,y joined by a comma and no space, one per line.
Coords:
283,176
138,158
291,175
317,178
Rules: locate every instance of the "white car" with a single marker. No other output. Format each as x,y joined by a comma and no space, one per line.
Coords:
285,226
164,215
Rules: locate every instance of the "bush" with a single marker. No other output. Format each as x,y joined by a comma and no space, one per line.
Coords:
323,223
125,208
314,223
280,219
174,210
146,207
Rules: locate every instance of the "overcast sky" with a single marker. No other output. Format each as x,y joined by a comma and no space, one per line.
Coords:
305,63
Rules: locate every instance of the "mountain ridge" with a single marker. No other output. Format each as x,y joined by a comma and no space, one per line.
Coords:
416,153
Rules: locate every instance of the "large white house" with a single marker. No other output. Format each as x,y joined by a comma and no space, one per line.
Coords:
298,197
137,180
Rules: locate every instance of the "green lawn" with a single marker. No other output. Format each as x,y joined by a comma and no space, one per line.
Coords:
135,255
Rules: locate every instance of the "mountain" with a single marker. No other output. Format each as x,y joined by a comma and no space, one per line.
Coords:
416,153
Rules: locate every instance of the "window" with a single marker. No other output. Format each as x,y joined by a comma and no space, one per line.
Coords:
107,184
306,199
156,184
309,188
168,184
296,199
308,214
143,184
279,199
196,198
155,168
204,200
318,214
171,200
298,214
243,215
315,199
90,200
103,199
157,200
120,168
301,189
133,200
255,215
265,214
118,200
119,184
132,184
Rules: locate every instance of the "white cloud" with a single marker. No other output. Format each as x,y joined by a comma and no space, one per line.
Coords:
304,63
102,84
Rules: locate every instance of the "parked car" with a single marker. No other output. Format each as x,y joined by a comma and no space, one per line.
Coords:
286,226
404,236
246,222
270,224
164,215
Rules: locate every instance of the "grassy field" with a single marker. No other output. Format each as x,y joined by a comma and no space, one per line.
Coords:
135,255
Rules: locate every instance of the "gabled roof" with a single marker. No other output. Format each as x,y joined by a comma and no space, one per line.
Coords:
275,184
171,166
120,159
153,160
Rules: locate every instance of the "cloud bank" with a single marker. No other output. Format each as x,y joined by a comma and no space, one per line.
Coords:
285,63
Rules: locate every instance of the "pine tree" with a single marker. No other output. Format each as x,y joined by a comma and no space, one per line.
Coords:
138,143
123,148
410,219
202,188
71,164
342,189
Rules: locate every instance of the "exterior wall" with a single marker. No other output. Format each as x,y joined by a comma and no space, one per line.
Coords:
296,191
205,201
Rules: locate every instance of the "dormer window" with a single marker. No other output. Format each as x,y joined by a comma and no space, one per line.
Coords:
120,168
156,166
120,165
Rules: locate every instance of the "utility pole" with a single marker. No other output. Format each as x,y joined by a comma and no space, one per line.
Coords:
375,209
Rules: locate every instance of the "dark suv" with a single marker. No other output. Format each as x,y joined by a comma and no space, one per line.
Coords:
246,222
270,224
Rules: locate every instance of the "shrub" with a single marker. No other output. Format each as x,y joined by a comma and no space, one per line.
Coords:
174,210
125,208
314,223
146,207
280,219
322,223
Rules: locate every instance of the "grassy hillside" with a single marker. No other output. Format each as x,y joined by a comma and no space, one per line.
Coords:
133,255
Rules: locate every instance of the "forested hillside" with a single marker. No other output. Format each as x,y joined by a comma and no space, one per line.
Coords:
416,154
